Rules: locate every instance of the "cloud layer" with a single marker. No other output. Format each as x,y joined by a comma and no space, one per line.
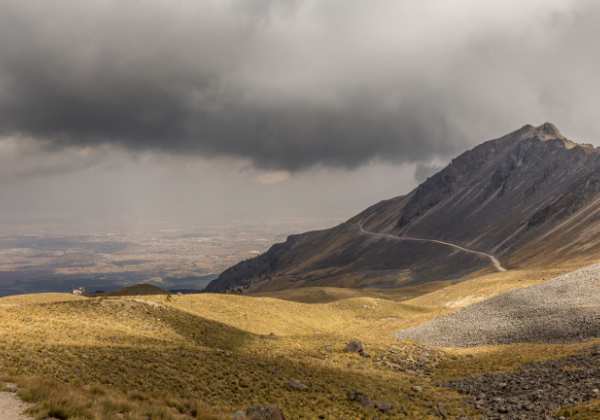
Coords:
291,84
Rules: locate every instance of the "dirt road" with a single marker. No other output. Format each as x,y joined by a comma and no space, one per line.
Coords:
495,262
11,408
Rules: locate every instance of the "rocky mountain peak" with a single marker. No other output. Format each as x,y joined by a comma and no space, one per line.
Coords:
545,132
549,130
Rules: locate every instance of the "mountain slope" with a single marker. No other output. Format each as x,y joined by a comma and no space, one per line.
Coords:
529,197
564,309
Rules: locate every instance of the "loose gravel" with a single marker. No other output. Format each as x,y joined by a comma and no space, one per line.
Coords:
566,308
536,390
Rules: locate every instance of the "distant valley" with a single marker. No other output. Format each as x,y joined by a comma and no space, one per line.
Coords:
176,259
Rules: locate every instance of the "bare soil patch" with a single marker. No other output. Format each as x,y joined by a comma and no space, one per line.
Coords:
11,407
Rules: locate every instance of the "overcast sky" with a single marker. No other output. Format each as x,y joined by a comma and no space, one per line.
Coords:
207,111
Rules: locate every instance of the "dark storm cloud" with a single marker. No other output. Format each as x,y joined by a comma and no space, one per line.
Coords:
290,84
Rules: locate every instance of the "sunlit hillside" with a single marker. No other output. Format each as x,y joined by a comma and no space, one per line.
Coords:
208,356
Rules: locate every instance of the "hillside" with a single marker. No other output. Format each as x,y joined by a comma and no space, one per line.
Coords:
526,199
564,309
207,356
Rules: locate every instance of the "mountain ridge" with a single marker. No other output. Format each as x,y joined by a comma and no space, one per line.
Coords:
533,186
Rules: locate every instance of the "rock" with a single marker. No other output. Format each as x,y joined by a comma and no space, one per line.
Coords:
417,388
264,412
382,406
360,398
355,346
10,388
297,385
225,353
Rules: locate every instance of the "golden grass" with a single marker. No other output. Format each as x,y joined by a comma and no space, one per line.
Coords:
502,358
65,401
481,287
363,317
332,294
207,355
64,353
586,411
38,298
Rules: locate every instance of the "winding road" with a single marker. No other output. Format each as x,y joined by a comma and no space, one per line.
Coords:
496,263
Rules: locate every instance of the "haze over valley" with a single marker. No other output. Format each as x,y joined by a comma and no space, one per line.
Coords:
41,259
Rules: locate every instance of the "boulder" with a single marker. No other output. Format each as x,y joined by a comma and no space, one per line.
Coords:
355,346
383,406
264,412
360,398
297,385
10,388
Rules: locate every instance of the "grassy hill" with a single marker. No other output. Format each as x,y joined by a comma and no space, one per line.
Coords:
207,356
146,356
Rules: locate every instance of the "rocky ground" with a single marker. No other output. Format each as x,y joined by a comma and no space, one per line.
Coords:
563,309
536,390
